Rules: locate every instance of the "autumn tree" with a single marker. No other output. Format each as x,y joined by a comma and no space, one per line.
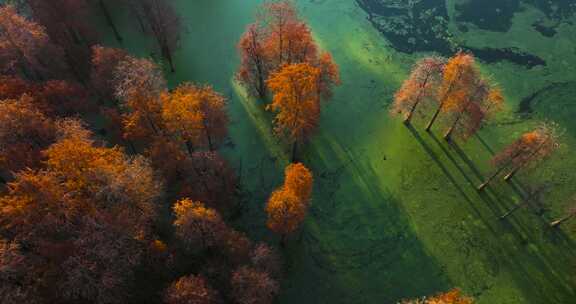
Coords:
138,84
84,216
62,98
207,177
458,75
533,199
67,24
280,37
472,110
296,102
250,286
454,296
420,87
24,133
23,46
197,226
529,149
197,115
264,258
287,206
13,87
254,65
570,213
104,62
164,24
15,285
190,290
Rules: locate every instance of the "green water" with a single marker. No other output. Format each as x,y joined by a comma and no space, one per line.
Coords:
395,214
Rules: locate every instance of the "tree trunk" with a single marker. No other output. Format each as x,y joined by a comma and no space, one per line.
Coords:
509,212
493,176
418,99
411,113
283,241
168,55
448,134
294,150
557,223
435,116
109,20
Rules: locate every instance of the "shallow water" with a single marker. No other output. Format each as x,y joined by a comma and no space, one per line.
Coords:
394,213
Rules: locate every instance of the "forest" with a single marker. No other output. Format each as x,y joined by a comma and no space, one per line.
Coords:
283,151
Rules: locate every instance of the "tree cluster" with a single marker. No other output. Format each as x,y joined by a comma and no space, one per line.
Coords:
83,214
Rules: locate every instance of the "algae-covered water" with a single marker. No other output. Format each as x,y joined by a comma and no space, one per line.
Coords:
395,214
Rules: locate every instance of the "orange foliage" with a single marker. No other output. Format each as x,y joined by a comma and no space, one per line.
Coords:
296,100
190,290
279,38
459,75
451,297
197,226
298,179
420,87
530,148
196,114
288,205
138,84
24,133
285,212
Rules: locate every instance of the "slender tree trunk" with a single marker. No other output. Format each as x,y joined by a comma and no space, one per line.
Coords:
283,241
493,176
168,56
418,99
509,212
448,135
435,116
411,113
558,222
109,20
294,150
189,148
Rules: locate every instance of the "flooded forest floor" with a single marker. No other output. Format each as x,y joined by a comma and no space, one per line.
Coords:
395,213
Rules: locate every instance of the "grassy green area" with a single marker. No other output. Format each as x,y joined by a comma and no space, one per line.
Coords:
395,211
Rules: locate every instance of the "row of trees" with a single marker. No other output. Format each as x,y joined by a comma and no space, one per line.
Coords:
456,90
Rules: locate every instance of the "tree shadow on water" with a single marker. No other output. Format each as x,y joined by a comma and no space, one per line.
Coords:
359,245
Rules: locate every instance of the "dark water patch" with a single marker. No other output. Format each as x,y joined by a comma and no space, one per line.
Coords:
491,15
526,105
411,27
546,31
422,27
512,54
555,9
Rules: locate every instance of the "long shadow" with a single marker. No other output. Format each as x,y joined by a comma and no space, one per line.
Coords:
437,161
358,243
489,202
467,160
485,144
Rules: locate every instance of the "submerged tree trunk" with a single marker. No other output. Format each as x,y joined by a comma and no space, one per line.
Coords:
558,222
509,212
294,151
109,20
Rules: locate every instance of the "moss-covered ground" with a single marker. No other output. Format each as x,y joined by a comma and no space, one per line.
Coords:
395,212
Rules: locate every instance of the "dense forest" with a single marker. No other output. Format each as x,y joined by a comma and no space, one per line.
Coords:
123,181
